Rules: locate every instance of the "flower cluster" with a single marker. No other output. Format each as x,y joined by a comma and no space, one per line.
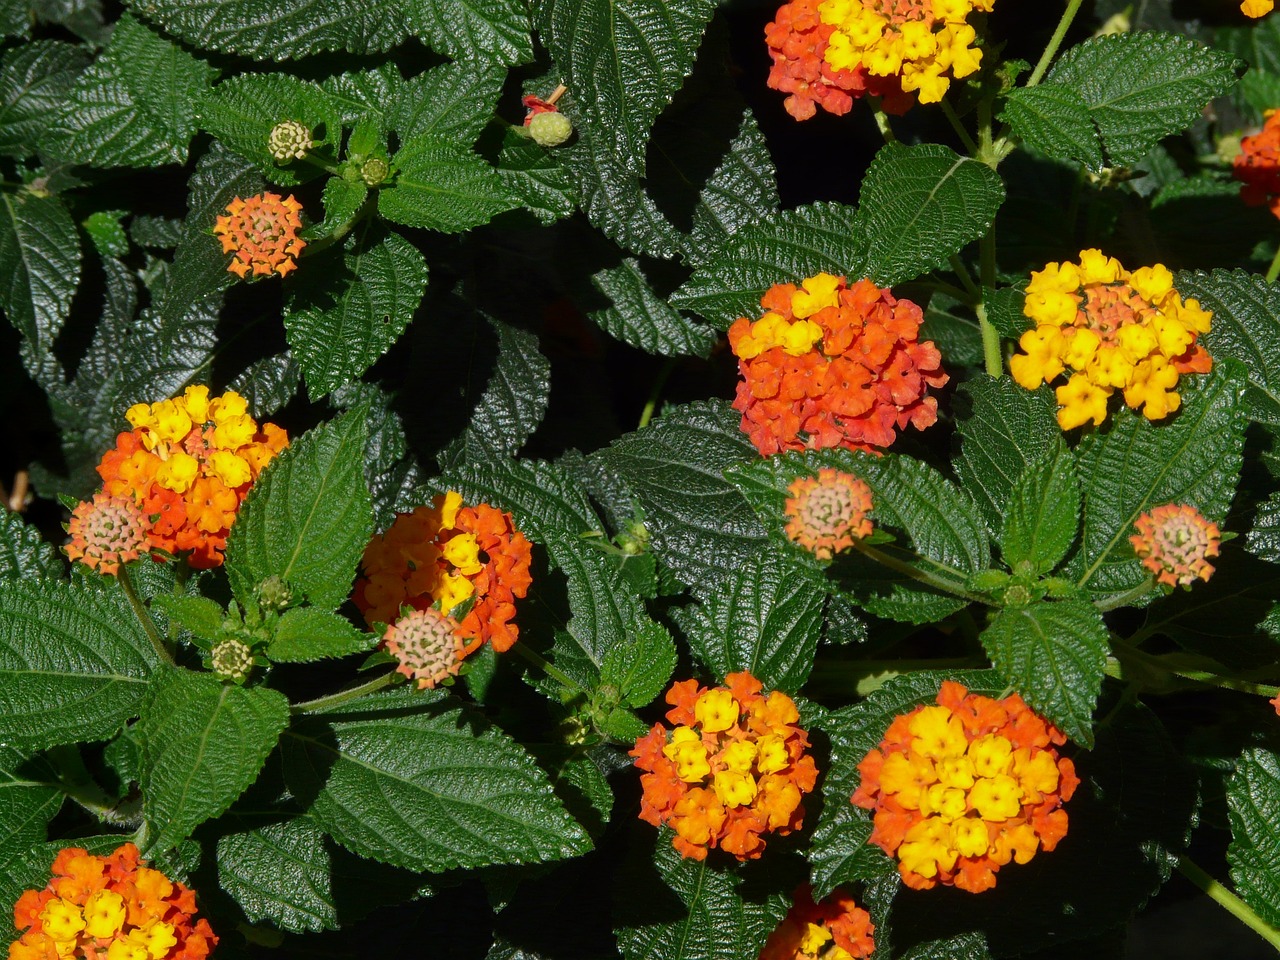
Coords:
288,140
186,465
833,365
1257,165
922,44
826,513
1174,542
733,767
1256,8
798,40
961,788
106,532
112,907
262,233
444,556
835,929
1114,330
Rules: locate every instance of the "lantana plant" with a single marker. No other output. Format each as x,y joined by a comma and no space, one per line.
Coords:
659,480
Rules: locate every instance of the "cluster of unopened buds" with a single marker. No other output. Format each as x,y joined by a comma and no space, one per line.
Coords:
1114,330
827,513
831,364
733,767
175,482
960,788
289,140
109,908
261,234
835,929
445,577
1174,542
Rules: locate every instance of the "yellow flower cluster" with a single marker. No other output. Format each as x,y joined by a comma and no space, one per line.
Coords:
925,43
1115,330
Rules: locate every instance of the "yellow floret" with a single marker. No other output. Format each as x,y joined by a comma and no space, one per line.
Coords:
734,789
938,733
1081,401
819,292
996,798
716,710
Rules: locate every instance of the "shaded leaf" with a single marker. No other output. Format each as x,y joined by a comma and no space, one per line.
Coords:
642,319
35,80
442,188
24,554
1253,802
1043,513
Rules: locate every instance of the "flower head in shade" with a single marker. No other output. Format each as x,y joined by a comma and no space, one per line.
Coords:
1109,329
445,555
733,767
113,907
826,513
262,234
1174,542
1257,165
833,365
106,532
187,465
961,788
835,929
427,644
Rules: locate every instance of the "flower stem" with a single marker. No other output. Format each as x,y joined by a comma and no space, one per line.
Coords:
76,782
1127,597
1125,652
545,666
966,279
961,132
345,696
140,611
882,121
1229,901
992,359
660,381
1059,34
861,677
1273,271
915,573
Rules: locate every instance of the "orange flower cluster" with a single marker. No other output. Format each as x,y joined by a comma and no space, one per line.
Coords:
833,365
445,555
187,464
1257,166
262,232
106,532
835,929
1174,542
733,767
961,788
109,908
826,513
798,41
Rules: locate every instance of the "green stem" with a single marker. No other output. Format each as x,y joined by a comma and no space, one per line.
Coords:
76,782
651,405
961,132
882,121
992,359
1229,901
1207,677
140,611
966,278
345,696
1126,598
545,666
1273,271
1059,34
915,573
861,677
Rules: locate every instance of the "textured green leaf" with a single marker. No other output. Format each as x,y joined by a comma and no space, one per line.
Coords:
495,30
35,80
342,200
1246,327
784,248
268,384
15,20
305,633
641,318
1253,803
1043,513
766,621
1054,119
349,315
74,663
365,94
203,743
308,517
106,233
623,60
1264,537
954,330
443,188
1007,430
918,206
29,797
641,669
1054,654
24,554
966,946
1141,87
713,914
135,107
700,526
535,179
420,781
449,104
741,191
389,471
1193,458
202,616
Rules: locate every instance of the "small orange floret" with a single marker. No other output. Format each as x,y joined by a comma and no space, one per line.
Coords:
106,532
732,768
1256,8
1257,166
262,233
835,929
960,788
1174,542
826,513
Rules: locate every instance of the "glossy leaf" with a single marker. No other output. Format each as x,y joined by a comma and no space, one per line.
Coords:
638,316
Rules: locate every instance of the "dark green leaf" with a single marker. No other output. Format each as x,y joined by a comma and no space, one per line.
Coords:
954,330
24,554
202,616
342,201
641,318
1043,513
966,946
35,80
443,188
535,179
365,94
268,384
29,797
740,192
1253,801
1054,119
640,669
305,633
449,104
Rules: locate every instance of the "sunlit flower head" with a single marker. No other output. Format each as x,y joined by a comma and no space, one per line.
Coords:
833,365
826,513
1257,165
427,644
961,788
733,767
1174,542
1109,329
835,929
262,233
106,532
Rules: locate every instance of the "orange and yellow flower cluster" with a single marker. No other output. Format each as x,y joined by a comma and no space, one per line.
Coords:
1257,165
835,929
1174,542
798,40
826,513
1114,330
109,908
186,465
262,233
444,556
833,365
733,768
961,788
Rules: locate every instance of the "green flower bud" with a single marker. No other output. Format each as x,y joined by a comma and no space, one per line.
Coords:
232,660
374,171
289,140
274,594
550,129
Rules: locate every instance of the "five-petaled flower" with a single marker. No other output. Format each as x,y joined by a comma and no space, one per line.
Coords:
835,929
262,234
1174,542
960,788
826,513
